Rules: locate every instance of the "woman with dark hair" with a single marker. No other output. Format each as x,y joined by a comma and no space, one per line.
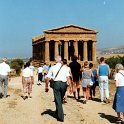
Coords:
93,78
75,70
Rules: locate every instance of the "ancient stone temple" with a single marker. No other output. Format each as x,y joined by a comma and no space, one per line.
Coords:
65,41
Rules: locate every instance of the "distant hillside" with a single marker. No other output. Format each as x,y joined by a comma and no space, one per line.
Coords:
25,59
117,50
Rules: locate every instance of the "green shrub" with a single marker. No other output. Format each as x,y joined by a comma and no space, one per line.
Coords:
112,61
17,64
30,59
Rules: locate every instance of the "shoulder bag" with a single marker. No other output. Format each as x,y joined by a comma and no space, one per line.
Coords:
52,80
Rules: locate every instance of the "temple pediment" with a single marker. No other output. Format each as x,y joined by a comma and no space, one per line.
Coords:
70,29
65,41
41,37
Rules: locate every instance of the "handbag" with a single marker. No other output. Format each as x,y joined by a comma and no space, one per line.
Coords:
52,80
51,83
91,82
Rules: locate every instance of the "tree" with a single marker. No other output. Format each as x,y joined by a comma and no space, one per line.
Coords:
112,61
17,64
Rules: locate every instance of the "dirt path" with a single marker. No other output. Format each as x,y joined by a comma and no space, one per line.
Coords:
40,109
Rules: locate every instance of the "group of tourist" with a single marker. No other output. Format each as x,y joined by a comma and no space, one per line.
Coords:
68,78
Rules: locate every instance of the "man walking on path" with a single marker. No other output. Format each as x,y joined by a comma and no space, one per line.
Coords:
4,77
60,75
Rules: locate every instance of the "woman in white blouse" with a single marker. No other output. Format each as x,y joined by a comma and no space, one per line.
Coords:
118,104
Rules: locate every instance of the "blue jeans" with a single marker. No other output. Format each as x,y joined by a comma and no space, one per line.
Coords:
4,80
103,86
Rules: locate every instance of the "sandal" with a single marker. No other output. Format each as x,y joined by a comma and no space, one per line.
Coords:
29,96
119,120
64,100
24,97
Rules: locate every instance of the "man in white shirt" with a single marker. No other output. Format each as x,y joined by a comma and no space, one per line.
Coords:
60,85
4,77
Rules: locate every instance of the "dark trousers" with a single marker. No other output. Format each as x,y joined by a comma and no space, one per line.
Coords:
40,76
92,90
59,92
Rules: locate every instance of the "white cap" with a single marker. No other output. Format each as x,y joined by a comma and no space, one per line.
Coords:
4,59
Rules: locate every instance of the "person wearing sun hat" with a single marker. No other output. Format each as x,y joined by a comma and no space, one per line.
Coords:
4,76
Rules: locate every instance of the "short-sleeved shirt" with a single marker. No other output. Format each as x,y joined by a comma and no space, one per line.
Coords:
94,71
4,69
46,67
62,75
27,72
32,68
40,69
120,78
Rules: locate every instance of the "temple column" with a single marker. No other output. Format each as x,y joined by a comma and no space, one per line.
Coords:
47,57
66,50
94,51
33,51
56,48
85,51
76,48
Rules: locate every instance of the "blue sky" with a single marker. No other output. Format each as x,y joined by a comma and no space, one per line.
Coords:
23,19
